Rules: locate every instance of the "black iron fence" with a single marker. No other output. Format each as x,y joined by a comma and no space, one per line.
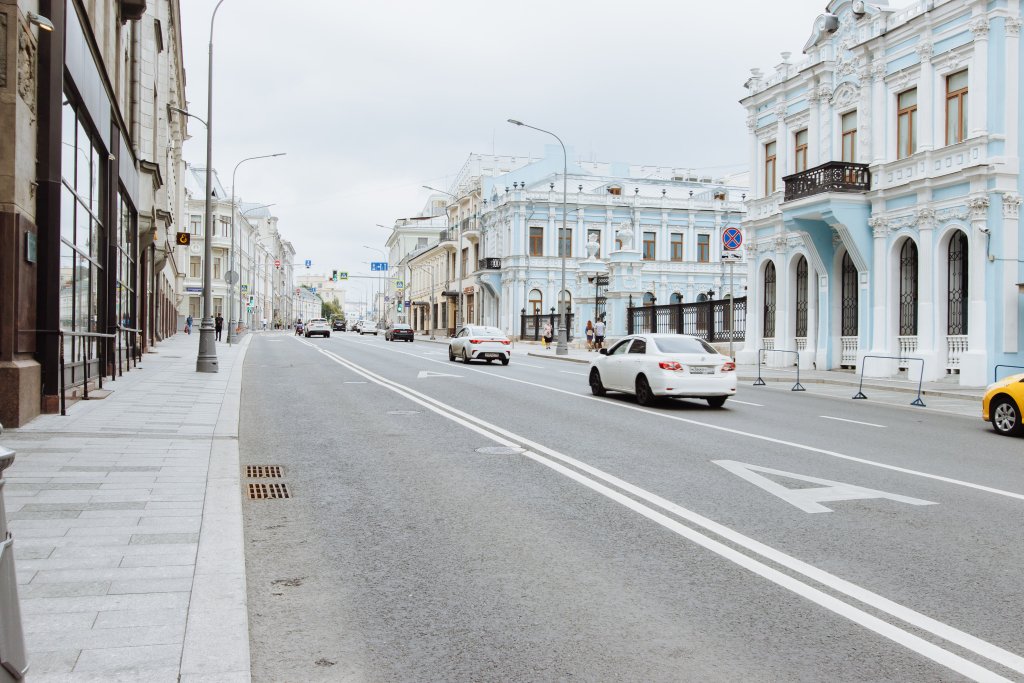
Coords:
489,264
708,320
835,176
532,324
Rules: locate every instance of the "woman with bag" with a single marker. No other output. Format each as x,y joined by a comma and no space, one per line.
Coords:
546,335
590,336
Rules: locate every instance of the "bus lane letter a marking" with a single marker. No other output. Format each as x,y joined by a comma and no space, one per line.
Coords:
810,499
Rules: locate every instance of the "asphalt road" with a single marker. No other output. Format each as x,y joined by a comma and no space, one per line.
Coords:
787,537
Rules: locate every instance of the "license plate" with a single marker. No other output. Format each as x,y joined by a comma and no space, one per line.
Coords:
702,370
492,355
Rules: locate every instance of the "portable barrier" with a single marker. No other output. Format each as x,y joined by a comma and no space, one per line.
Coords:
920,378
760,382
13,660
995,372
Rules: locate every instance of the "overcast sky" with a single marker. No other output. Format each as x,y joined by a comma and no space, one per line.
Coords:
371,100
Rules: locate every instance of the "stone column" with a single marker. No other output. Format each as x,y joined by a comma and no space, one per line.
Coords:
928,344
815,154
928,109
782,143
879,342
974,363
752,336
1011,273
877,140
977,75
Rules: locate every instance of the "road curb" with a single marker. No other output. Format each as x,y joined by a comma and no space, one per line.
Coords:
937,393
216,643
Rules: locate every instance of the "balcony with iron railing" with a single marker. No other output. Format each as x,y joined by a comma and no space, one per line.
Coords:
448,235
489,264
834,176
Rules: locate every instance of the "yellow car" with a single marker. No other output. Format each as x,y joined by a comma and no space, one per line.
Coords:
1001,405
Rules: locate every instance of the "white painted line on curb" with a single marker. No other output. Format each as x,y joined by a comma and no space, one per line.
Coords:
751,435
883,628
856,422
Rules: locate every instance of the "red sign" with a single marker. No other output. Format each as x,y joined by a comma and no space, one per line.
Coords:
277,263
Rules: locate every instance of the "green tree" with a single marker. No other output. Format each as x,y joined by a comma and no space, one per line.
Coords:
331,310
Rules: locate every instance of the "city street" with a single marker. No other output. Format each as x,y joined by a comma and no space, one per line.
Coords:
480,522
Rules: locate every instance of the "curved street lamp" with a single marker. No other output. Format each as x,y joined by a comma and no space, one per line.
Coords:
562,349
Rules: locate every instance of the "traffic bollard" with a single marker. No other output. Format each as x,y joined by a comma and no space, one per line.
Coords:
13,664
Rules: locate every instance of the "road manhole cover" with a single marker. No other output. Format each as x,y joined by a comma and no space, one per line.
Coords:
500,450
267,491
403,412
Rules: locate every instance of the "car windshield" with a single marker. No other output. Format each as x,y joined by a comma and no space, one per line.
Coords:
317,321
683,345
487,331
401,327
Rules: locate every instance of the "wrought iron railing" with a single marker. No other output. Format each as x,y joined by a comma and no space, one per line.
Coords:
708,320
532,325
835,176
489,264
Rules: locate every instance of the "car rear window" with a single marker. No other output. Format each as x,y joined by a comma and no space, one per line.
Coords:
489,331
683,345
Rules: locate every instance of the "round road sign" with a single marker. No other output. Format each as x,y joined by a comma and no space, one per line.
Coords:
732,238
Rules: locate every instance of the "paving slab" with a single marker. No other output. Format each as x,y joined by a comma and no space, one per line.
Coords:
126,515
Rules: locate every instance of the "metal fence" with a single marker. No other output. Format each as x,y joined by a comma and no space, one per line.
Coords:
708,320
532,325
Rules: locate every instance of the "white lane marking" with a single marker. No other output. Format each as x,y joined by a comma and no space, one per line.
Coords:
273,341
810,499
428,373
527,365
856,422
746,403
570,372
759,437
896,610
353,382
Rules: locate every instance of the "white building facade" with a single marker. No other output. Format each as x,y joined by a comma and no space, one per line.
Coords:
885,184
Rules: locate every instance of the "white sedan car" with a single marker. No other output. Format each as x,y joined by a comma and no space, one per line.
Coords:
317,326
477,342
369,327
654,365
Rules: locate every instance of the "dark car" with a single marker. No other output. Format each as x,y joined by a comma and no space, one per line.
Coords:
398,331
338,325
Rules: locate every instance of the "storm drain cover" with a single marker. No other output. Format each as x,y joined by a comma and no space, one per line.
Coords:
403,412
263,472
500,450
267,491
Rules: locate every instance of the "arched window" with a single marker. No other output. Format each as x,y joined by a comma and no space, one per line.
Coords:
769,300
850,297
908,288
536,302
568,300
648,299
956,321
676,298
801,297
702,297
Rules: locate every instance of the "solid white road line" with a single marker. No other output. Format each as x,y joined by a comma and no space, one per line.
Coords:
856,422
746,403
570,372
890,631
751,435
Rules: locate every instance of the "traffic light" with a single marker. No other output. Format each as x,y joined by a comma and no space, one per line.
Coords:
334,276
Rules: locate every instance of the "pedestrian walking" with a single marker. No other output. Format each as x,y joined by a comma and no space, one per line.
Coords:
599,334
263,323
218,325
590,336
188,325
546,335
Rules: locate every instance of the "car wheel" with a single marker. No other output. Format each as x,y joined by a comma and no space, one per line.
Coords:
1006,416
328,335
504,361
451,354
596,385
644,395
307,336
465,356
717,401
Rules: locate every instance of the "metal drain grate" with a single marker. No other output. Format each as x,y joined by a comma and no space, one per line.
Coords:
266,491
263,472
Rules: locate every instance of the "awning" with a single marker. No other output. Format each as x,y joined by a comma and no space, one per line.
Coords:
450,293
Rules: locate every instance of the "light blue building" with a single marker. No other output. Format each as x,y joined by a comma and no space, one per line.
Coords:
885,191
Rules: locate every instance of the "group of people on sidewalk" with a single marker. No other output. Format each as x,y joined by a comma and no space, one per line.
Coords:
218,325
595,335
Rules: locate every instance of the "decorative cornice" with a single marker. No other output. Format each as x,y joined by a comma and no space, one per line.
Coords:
979,27
925,51
978,207
953,214
925,218
780,111
824,92
878,69
1013,26
879,226
1011,205
751,122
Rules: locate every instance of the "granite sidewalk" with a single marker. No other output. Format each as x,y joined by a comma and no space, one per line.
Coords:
127,524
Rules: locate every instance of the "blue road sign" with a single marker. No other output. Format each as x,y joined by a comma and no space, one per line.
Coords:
732,238
309,263
379,265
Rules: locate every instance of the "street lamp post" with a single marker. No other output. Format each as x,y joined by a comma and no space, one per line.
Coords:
562,349
206,361
231,258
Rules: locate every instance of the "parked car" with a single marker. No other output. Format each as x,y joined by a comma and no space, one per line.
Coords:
1001,405
397,331
355,325
338,325
654,365
477,342
317,326
369,327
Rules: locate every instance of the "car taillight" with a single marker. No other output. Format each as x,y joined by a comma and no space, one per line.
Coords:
729,366
474,341
670,365
506,342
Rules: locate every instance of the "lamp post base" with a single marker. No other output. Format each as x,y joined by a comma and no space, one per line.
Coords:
206,361
562,348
